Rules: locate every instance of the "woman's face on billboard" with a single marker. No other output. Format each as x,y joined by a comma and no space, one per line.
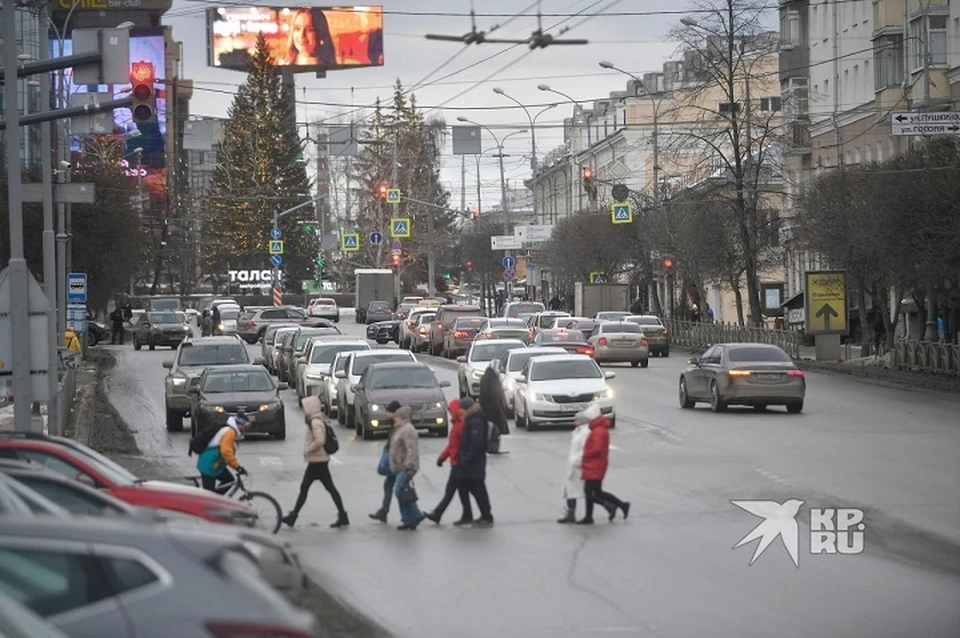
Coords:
304,35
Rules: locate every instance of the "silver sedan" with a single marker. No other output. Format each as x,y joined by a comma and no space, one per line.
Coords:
754,374
618,342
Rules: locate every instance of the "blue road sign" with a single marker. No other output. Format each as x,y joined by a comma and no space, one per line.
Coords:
510,274
375,238
76,287
275,233
621,212
400,227
350,242
396,245
509,262
276,260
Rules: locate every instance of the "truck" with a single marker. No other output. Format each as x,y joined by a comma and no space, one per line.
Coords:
373,284
589,299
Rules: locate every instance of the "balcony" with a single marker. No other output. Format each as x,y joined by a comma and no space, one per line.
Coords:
798,137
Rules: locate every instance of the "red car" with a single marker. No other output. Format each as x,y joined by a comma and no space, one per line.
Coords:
79,462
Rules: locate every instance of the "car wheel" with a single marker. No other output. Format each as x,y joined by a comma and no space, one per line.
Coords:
685,401
634,364
531,425
613,422
716,402
382,342
645,363
665,353
511,413
151,344
366,434
760,407
174,420
796,407
92,339
350,416
136,343
461,391
281,435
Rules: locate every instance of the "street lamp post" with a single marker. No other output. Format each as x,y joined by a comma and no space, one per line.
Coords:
583,116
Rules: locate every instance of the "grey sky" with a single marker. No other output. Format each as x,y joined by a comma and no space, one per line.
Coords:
635,43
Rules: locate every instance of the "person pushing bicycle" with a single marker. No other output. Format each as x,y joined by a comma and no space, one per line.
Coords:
221,454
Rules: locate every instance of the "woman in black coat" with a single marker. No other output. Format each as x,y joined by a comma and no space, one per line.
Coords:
493,402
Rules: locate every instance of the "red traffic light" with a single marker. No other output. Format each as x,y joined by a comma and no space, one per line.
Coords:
382,191
396,260
141,73
144,106
587,173
668,263
469,265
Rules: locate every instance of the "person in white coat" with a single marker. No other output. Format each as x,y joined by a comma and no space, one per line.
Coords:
573,486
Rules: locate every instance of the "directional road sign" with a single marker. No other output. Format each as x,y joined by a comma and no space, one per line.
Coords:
509,262
505,242
509,274
396,245
276,260
826,302
350,242
275,233
77,287
935,123
621,212
393,195
400,227
375,238
276,246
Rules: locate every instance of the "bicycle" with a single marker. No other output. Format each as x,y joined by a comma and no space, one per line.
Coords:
268,512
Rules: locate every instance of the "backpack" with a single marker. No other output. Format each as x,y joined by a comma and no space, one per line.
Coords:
330,442
201,441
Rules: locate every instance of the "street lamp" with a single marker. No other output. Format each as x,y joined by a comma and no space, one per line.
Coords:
656,125
533,142
583,114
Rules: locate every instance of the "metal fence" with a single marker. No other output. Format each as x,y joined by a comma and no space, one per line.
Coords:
926,356
700,335
65,394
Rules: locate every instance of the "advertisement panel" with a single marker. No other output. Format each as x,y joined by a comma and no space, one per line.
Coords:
304,38
146,45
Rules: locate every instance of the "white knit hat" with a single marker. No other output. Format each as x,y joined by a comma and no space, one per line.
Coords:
588,414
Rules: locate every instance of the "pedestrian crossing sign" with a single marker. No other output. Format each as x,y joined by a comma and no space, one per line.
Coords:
350,242
400,227
393,195
621,212
276,246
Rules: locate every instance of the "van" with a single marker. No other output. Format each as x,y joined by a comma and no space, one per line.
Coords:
446,315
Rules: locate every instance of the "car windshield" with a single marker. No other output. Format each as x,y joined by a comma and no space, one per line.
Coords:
324,302
229,313
490,351
212,354
305,335
327,352
469,323
362,363
165,304
525,308
508,323
560,336
622,327
245,381
644,321
571,369
611,315
167,317
548,320
284,338
427,318
403,378
771,355
378,305
519,359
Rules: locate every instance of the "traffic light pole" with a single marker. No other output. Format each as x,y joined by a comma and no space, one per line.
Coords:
276,224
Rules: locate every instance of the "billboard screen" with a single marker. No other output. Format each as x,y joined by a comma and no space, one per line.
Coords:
146,45
304,38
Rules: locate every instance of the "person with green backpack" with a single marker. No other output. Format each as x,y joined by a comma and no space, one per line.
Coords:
320,442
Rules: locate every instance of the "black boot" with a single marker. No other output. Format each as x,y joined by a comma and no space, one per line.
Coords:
611,510
585,521
379,515
290,519
626,509
433,516
569,517
342,520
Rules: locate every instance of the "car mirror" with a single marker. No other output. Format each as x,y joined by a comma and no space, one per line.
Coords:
283,386
521,380
461,359
258,361
356,387
168,365
444,384
341,374
694,361
609,374
87,480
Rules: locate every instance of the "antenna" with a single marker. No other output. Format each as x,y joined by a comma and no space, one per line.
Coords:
540,40
472,36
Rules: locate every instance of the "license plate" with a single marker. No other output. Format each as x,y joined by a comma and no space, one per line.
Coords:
769,376
573,407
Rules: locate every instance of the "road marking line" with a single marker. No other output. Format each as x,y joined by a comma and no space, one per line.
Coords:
270,460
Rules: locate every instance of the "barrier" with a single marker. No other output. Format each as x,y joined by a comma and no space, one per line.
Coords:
65,393
926,356
697,334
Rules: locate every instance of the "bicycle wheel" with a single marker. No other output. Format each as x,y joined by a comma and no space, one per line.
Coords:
267,510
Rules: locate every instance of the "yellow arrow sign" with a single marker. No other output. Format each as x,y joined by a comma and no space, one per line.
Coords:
826,302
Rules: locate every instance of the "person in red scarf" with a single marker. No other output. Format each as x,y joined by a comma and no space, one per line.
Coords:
452,452
596,458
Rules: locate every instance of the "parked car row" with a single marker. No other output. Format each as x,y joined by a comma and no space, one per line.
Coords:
89,550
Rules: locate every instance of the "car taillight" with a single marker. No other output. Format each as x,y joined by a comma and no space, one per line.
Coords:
585,351
489,335
794,373
643,342
602,341
254,630
249,324
738,373
665,332
460,334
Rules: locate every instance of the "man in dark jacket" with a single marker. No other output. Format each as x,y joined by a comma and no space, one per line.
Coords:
493,402
116,321
472,461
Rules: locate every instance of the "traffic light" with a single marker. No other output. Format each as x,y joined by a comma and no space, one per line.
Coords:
382,191
308,227
668,264
589,186
395,259
144,107
469,265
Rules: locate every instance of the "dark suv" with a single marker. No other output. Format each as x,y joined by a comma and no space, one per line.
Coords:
193,357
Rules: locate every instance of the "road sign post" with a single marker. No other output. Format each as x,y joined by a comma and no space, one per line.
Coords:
621,213
376,238
276,260
275,233
77,287
276,246
826,315
350,242
509,262
400,227
393,196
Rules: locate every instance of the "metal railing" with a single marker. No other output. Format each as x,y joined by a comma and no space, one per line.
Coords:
925,356
700,335
65,394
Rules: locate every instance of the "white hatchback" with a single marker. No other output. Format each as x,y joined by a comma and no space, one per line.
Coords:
552,389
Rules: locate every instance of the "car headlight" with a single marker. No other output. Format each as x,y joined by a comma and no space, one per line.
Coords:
438,405
477,374
219,409
186,328
219,326
604,394
374,407
270,406
315,376
537,396
178,381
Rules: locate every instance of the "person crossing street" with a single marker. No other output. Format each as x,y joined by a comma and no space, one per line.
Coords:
452,452
596,459
390,479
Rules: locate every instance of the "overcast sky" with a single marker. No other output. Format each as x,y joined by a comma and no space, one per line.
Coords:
464,85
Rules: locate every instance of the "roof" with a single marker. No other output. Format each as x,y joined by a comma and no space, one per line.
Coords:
400,365
238,367
560,357
212,340
397,353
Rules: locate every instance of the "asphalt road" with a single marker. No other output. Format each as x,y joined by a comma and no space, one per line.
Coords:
670,570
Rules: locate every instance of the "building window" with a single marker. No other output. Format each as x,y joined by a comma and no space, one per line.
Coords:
770,104
796,99
790,29
887,61
933,33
